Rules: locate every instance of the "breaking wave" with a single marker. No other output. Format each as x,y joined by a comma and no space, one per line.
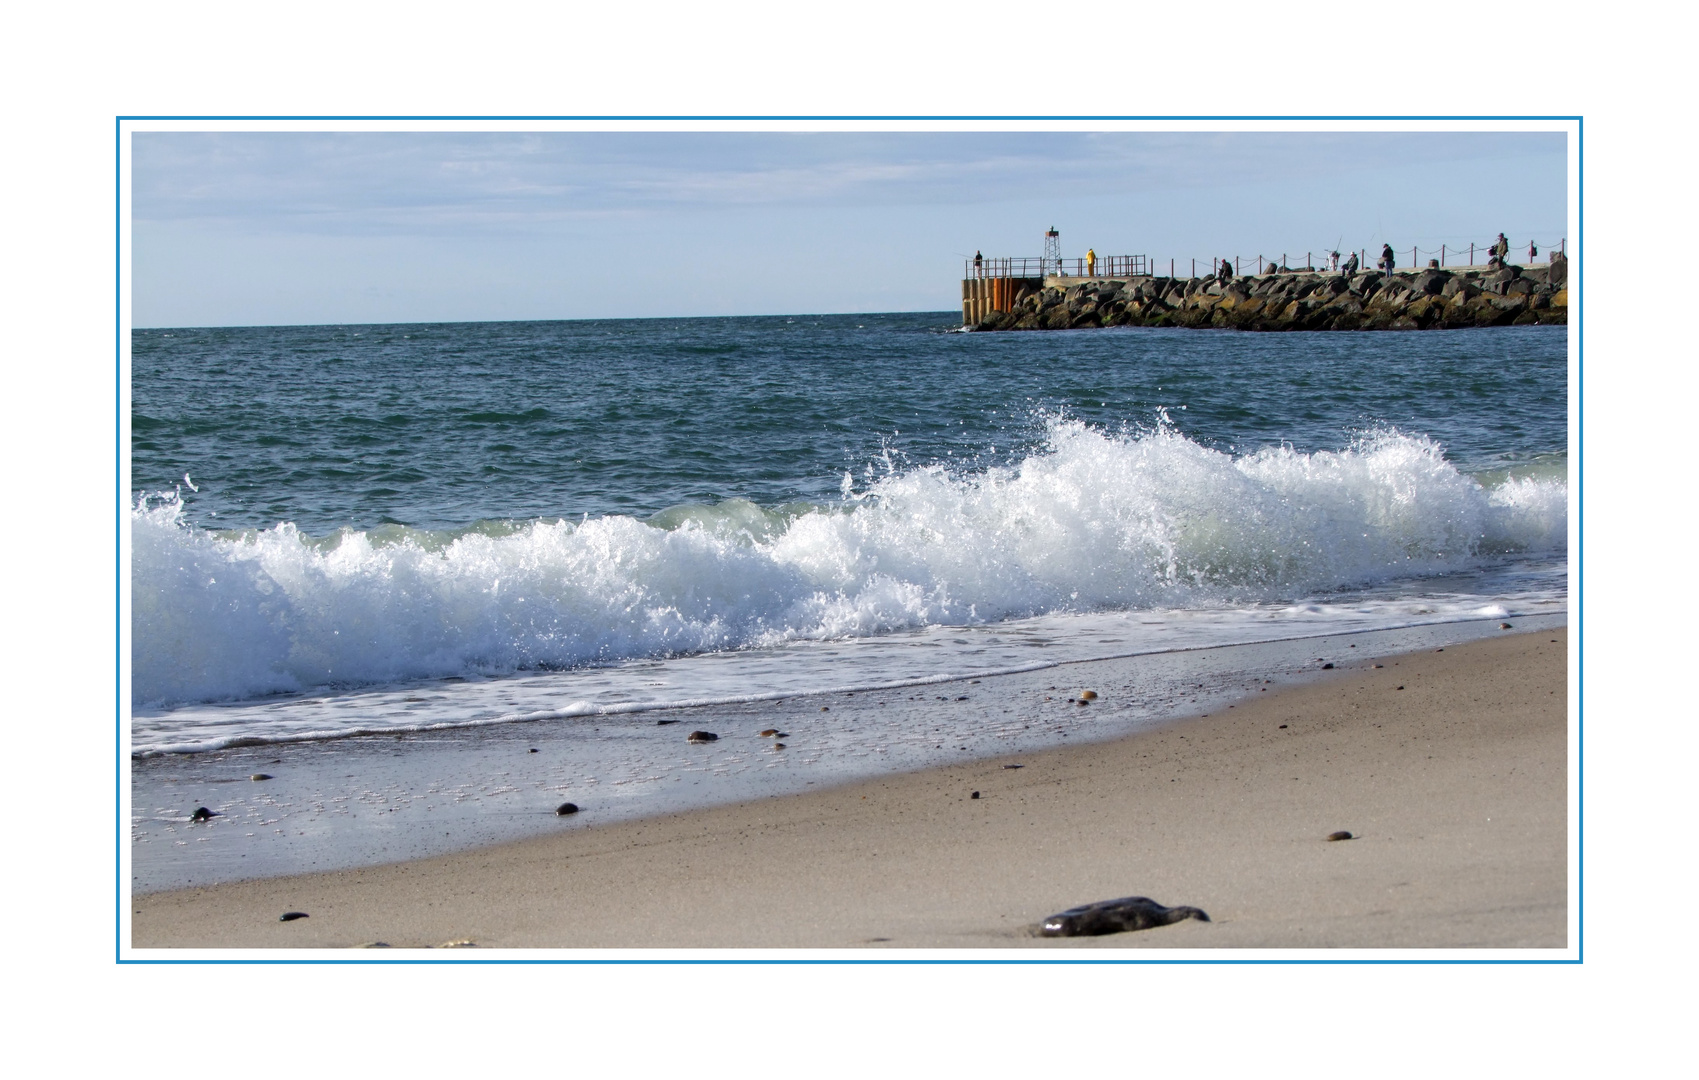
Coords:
1093,521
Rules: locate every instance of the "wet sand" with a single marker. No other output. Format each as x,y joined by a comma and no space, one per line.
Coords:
1450,767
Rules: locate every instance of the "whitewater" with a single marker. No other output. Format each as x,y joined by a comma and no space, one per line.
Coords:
1091,523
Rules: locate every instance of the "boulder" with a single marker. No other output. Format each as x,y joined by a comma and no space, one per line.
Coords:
1431,282
1558,272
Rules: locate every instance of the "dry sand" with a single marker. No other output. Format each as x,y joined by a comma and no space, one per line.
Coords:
1450,766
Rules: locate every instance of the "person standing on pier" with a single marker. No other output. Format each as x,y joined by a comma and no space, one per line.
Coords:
978,262
1333,262
1090,262
1387,259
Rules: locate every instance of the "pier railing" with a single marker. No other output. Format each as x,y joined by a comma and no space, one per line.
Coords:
1446,256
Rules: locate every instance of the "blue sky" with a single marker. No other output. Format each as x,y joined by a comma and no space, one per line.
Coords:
237,229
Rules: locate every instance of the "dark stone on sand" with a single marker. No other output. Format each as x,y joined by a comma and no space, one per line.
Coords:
291,916
701,737
260,776
768,732
566,808
203,814
975,795
1326,667
825,708
1340,835
1014,766
664,723
1284,725
1504,626
1116,916
533,750
1083,701
778,746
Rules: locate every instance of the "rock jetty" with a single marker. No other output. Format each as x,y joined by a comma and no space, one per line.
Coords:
1429,299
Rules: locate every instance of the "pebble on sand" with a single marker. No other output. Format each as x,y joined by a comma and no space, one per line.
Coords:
291,916
566,808
260,776
1327,667
1014,766
1340,835
1088,695
203,814
778,746
975,795
1504,626
701,737
768,733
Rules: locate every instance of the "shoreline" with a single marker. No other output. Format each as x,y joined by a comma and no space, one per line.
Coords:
1455,786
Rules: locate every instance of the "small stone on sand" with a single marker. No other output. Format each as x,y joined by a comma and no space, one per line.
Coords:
1504,626
1340,835
260,776
664,723
825,708
291,916
203,814
1325,667
975,795
566,808
1088,695
778,746
701,737
533,750
767,733
1014,766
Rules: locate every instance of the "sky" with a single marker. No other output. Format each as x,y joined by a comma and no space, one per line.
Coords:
280,228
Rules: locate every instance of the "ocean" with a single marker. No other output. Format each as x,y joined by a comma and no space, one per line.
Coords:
342,535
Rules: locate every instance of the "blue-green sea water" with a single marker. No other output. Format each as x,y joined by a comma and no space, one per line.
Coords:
321,511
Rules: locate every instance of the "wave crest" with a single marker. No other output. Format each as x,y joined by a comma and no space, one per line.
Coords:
1093,521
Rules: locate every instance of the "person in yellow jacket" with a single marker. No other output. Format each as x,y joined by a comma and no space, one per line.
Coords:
1090,263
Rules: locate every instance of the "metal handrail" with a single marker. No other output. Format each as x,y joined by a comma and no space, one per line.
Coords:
1122,266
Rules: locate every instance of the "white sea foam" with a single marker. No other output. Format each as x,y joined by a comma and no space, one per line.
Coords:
1093,522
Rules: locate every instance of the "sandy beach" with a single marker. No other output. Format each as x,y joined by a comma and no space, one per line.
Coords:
1449,766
